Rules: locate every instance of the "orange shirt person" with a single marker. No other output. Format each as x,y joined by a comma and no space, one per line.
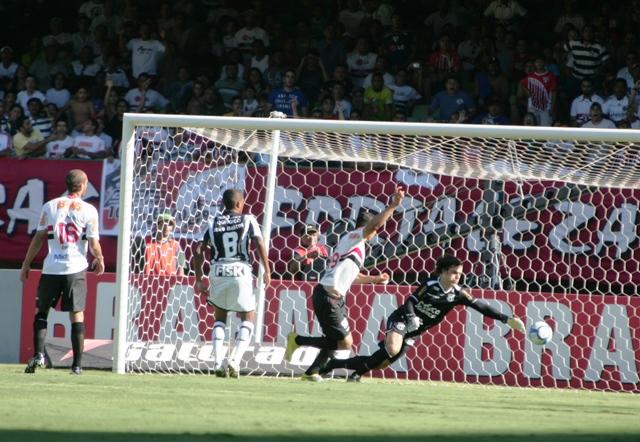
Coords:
163,255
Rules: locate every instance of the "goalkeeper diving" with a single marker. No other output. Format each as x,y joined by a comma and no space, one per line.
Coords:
426,307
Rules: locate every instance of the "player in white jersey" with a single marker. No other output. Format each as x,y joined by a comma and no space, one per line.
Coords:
329,294
70,225
231,282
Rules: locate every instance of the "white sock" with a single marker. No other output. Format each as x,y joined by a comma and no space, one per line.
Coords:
242,342
218,342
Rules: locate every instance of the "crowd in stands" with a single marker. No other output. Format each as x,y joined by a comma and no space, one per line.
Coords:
73,69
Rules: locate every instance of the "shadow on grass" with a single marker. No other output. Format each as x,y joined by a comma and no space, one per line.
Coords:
52,436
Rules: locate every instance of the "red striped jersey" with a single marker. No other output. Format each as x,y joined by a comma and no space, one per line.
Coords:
346,262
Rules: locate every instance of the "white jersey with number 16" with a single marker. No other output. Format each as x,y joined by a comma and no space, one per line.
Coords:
68,223
346,262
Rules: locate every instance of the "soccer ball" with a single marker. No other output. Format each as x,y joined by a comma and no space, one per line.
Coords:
540,333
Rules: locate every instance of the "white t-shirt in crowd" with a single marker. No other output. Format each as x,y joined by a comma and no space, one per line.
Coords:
59,97
145,55
57,148
90,144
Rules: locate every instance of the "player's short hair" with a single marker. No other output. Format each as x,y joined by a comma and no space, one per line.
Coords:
363,218
231,197
75,179
445,262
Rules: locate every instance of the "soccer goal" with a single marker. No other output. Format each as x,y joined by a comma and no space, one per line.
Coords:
544,219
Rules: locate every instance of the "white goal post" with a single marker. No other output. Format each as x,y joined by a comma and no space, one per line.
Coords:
544,219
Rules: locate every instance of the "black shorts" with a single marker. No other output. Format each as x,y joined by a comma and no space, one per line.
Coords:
397,322
331,314
72,289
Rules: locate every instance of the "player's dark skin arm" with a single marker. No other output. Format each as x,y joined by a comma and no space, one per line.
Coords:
198,260
378,221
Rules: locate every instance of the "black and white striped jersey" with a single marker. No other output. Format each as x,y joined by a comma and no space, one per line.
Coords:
229,234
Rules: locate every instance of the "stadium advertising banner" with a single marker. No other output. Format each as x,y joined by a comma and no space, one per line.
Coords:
25,185
563,232
596,341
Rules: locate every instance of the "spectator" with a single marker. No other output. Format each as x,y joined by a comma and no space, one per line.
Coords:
597,120
91,8
586,57
46,66
249,101
311,75
113,22
289,98
163,255
274,74
83,36
60,141
229,30
88,145
352,17
13,121
6,144
29,142
469,51
631,67
378,100
569,16
58,94
505,12
404,95
146,52
115,73
399,116
539,88
194,105
212,103
84,68
255,80
361,62
28,93
264,107
442,63
494,115
309,259
381,67
580,111
451,100
113,126
179,91
492,83
231,85
236,107
441,19
7,66
342,104
39,118
617,105
398,45
143,97
81,108
57,35
259,59
529,119
244,38
330,50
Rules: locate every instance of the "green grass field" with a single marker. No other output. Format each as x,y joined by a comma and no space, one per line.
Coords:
52,405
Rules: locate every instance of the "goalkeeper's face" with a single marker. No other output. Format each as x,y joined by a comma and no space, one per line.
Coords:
451,276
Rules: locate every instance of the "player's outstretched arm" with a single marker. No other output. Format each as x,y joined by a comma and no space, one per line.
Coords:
487,310
378,221
34,248
382,278
98,258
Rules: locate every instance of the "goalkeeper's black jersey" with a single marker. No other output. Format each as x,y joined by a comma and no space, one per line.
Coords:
431,303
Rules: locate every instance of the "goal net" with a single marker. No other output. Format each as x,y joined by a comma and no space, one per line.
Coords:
544,220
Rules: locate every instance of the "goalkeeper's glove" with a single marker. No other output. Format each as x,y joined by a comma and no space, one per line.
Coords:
516,324
413,324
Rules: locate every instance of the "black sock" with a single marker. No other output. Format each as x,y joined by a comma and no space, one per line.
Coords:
320,360
350,364
77,342
318,342
39,332
372,361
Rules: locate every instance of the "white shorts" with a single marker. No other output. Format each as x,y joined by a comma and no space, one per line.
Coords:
232,293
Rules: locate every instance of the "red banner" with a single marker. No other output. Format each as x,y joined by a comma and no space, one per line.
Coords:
596,342
25,185
549,232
